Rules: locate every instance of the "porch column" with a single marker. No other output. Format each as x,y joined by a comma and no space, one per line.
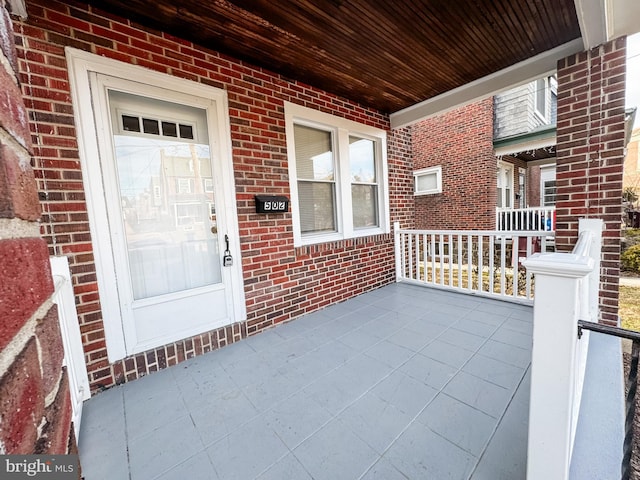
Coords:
590,156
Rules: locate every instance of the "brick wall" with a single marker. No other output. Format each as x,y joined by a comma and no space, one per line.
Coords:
461,141
35,408
281,282
590,155
533,186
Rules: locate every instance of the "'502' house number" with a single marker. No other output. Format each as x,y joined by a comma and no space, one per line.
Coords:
271,204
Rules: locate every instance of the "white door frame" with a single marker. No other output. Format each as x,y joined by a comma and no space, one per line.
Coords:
81,65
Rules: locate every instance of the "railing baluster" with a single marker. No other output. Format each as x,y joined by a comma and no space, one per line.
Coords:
450,260
425,265
492,254
503,264
401,270
530,241
410,255
459,261
515,255
480,263
469,260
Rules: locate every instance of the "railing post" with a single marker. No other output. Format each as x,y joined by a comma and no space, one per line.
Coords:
595,226
552,409
398,249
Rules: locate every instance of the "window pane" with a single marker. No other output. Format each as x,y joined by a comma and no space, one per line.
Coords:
549,199
314,154
427,182
167,228
186,131
365,206
362,160
150,126
317,207
130,124
169,129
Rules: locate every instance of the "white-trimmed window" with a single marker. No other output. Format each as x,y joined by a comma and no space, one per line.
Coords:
548,186
427,181
540,98
338,176
505,185
185,185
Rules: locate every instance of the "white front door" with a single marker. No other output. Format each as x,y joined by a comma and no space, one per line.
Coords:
166,193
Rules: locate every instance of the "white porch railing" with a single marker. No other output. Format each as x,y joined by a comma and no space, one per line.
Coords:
537,219
487,263
567,286
71,338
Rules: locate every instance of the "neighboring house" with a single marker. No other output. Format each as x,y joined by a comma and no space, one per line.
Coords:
631,179
89,95
498,153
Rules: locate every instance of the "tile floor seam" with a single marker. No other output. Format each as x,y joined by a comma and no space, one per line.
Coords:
126,433
289,452
486,445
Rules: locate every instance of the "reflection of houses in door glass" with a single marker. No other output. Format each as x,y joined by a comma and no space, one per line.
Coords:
164,183
184,185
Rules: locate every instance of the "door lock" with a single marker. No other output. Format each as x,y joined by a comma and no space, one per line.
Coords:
227,259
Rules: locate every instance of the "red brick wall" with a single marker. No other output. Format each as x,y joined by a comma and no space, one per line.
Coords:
590,155
461,141
533,186
281,282
35,409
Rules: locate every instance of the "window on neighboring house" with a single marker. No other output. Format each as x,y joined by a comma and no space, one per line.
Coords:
522,188
548,186
427,181
338,176
540,97
185,185
208,185
505,185
188,214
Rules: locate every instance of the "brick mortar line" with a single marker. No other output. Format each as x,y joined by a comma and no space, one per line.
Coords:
6,138
4,62
16,228
21,339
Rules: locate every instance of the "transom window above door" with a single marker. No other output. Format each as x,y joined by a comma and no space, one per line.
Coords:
338,176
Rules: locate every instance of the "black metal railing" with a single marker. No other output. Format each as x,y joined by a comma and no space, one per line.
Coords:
632,385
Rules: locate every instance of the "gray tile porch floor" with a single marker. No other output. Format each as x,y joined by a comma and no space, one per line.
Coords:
403,382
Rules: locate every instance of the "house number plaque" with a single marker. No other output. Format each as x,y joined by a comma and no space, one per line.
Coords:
271,204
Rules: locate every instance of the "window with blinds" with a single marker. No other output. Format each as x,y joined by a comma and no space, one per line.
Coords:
316,179
338,176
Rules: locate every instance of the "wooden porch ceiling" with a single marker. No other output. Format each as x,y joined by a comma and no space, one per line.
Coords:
384,54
